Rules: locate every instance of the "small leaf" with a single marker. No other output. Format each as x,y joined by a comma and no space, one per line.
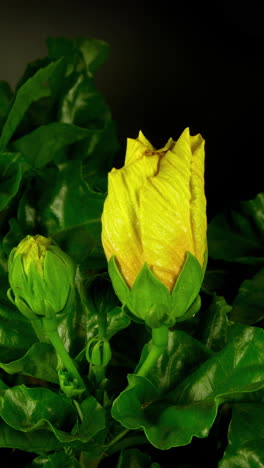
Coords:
248,306
215,324
245,435
133,458
5,98
91,53
10,177
238,234
43,144
16,337
73,216
27,409
56,460
34,89
40,361
39,441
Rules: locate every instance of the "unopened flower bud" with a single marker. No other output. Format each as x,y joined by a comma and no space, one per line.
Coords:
41,277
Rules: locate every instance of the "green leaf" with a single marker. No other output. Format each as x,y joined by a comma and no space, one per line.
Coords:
238,234
83,105
92,419
172,409
13,236
133,458
103,311
16,337
246,436
5,98
72,216
98,153
34,89
43,144
215,325
56,460
39,441
10,177
27,409
32,409
40,361
81,53
248,306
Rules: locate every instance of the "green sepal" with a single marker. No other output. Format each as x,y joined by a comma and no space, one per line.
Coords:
122,290
187,286
193,309
21,305
131,316
151,301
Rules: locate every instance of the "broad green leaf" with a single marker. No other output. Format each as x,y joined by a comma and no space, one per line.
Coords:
133,458
171,415
5,98
34,89
73,214
16,337
32,409
40,361
248,306
81,53
43,144
92,419
183,354
56,460
238,234
3,386
217,280
31,69
99,152
10,177
83,105
29,409
13,236
246,436
39,441
215,324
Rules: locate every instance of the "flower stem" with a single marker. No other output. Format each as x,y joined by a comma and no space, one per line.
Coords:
50,327
158,345
38,329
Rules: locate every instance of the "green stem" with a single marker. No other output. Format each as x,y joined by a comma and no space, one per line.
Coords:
133,441
158,345
102,324
38,329
116,439
50,327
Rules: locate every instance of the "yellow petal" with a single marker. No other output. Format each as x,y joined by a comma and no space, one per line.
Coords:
164,213
121,231
198,200
136,148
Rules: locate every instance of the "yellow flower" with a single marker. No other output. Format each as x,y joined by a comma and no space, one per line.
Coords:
155,211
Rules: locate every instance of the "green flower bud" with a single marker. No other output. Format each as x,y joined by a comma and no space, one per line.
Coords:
41,277
98,352
69,385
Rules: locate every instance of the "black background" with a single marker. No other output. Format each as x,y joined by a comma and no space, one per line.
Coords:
170,66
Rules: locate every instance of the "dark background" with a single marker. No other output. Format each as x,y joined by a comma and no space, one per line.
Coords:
169,67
